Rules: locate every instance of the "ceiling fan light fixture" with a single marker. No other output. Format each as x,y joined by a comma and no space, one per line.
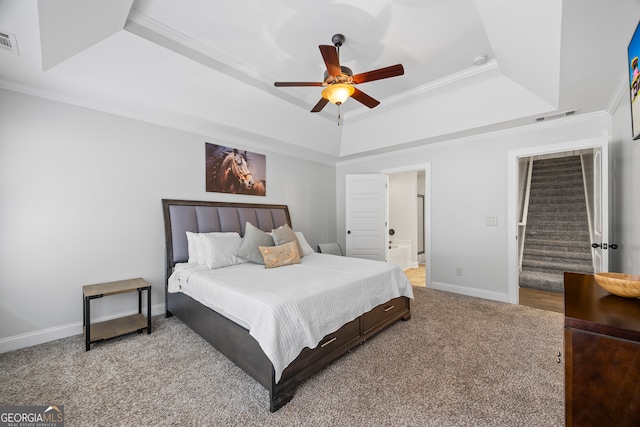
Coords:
338,93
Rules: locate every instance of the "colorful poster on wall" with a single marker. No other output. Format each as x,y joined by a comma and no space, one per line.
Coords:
633,51
229,170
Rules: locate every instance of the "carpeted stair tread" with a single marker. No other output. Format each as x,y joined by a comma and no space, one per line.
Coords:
555,191
557,245
556,183
568,205
549,282
557,266
565,176
555,200
558,234
546,225
559,252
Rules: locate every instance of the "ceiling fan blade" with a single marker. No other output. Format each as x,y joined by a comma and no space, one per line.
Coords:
381,73
330,56
362,97
320,105
288,84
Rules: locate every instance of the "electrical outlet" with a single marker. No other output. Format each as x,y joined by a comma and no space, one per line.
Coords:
458,271
492,220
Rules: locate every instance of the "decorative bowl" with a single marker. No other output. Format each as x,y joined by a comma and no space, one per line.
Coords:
623,285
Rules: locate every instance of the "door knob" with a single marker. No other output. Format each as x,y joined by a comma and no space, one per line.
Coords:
349,232
604,246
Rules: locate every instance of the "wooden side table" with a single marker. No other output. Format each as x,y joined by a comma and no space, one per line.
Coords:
602,355
122,325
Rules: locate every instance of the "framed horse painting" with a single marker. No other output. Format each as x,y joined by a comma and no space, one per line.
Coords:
229,170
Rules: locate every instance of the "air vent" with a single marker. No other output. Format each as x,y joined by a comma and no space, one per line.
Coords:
8,42
556,116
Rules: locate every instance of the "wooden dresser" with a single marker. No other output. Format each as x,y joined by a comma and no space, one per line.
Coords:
602,355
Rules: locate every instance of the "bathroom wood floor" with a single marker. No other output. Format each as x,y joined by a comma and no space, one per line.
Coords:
417,276
549,301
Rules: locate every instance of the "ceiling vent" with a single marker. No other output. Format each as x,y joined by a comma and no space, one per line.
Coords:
556,116
8,42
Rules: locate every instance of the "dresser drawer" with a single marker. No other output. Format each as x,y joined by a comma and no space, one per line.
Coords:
383,312
331,342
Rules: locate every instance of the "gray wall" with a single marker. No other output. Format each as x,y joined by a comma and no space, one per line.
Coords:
624,158
80,195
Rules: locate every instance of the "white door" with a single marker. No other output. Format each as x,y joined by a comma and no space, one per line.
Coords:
366,220
601,211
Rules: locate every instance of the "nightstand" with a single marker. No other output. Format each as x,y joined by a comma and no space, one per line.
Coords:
119,326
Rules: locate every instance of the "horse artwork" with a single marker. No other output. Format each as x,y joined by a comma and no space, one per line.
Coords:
229,170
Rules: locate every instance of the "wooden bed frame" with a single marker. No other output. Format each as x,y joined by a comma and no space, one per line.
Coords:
233,340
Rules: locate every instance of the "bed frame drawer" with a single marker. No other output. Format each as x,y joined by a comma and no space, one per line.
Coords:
331,342
383,312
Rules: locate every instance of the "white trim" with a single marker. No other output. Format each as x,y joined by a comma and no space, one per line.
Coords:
426,167
472,292
512,198
63,331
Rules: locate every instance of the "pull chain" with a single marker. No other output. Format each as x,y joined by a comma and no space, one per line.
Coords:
338,53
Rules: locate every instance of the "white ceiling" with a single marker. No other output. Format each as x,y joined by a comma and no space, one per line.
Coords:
209,66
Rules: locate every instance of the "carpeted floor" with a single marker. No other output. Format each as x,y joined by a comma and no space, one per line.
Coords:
460,361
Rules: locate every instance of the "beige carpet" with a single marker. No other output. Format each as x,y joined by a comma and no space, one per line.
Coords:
460,361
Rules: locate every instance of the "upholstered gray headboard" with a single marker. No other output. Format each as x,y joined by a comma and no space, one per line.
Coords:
181,216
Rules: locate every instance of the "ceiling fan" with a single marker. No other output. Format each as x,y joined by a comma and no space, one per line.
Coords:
339,82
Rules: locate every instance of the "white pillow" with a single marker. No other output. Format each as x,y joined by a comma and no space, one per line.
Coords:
306,248
214,249
191,247
219,249
194,247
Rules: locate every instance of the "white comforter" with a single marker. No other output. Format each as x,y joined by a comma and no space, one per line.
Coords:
289,308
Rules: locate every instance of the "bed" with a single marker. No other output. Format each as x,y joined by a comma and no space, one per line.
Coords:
236,339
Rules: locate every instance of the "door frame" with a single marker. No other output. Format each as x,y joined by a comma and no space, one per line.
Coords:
426,167
512,197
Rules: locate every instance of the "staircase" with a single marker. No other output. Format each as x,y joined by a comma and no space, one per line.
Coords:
557,232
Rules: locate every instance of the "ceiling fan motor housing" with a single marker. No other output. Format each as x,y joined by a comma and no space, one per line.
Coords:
337,40
346,76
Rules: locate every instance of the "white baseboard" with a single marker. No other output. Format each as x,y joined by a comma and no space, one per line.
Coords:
472,292
57,332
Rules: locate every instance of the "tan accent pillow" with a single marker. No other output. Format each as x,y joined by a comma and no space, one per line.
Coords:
285,234
279,256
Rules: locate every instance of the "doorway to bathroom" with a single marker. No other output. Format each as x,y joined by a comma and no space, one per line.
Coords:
408,207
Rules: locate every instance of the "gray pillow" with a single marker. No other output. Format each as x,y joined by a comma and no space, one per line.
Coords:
253,239
285,234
